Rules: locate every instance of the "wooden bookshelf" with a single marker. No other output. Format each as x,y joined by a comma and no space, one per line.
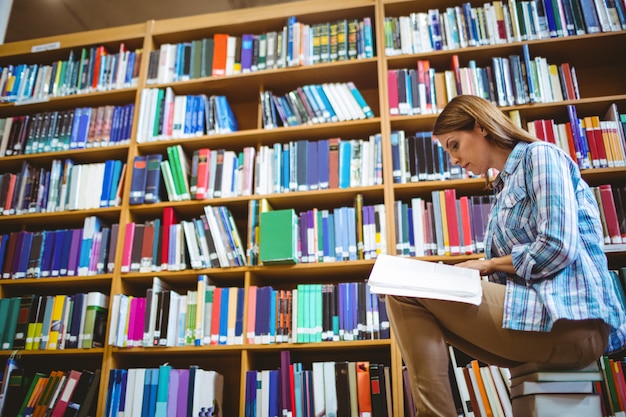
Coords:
600,72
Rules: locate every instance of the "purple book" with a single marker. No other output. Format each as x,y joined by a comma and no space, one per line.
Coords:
183,393
172,393
72,264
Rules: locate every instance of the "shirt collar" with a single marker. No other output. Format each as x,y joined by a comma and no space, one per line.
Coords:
510,166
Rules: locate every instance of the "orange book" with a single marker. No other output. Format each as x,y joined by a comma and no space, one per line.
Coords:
481,387
570,141
220,48
363,390
444,221
36,395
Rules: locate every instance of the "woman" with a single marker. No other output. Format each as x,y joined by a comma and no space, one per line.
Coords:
549,299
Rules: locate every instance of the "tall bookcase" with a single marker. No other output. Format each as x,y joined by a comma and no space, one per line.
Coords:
597,58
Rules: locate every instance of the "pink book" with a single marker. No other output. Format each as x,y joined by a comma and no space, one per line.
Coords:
251,317
128,244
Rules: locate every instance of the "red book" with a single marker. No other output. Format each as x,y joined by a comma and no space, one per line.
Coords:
569,82
129,236
215,316
597,132
454,66
146,261
333,162
620,381
220,47
548,128
10,191
610,213
591,141
570,141
202,184
392,92
453,221
169,219
539,129
100,51
466,226
66,394
363,387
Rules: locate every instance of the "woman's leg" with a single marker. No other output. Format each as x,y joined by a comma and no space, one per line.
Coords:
423,326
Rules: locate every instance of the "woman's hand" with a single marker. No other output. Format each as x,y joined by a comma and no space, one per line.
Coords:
489,266
483,266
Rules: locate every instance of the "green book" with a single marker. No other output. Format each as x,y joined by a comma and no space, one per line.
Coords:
279,237
95,320
206,68
11,322
180,170
29,393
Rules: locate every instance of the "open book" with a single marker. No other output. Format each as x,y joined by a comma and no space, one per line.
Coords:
396,275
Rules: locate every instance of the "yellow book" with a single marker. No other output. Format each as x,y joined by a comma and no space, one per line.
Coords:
56,322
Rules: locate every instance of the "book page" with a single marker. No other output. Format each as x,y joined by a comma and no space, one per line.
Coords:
397,275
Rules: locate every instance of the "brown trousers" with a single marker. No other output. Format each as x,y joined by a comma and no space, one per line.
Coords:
423,327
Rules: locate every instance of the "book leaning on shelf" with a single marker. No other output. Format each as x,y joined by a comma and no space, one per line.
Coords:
396,275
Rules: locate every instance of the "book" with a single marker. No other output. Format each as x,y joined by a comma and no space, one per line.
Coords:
278,237
411,277
554,405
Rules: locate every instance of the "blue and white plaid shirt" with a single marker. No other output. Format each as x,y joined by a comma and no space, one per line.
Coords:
546,216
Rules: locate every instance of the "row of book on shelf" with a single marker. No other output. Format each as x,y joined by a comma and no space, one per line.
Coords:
480,389
295,45
165,391
94,69
443,224
89,250
211,315
57,393
54,322
313,104
499,22
62,130
341,388
301,165
65,186
164,115
510,80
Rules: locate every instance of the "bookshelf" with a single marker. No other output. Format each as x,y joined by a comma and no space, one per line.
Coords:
600,79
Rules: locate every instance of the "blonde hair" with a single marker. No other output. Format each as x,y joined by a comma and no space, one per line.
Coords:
464,111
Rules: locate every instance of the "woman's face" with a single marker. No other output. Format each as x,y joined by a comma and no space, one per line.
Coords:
468,148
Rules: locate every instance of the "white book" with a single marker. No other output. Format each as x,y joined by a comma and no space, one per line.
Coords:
319,401
330,392
137,398
554,387
551,405
414,278
492,395
130,392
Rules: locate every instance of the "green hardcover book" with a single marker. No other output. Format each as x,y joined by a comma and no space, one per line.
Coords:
95,320
206,69
4,311
29,393
11,322
196,59
279,237
180,170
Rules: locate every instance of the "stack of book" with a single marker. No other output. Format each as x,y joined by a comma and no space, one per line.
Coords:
536,391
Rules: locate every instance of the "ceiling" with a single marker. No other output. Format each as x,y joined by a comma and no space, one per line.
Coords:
31,19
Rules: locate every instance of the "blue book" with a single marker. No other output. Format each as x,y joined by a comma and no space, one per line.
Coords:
312,175
590,16
58,247
3,248
529,76
297,388
326,102
115,182
74,251
92,226
223,332
291,54
247,40
138,180
344,163
73,332
239,320
323,171
82,128
274,392
367,110
109,399
193,369
551,16
351,219
286,168
152,193
272,315
22,254
250,399
226,121
162,390
106,183
116,389
46,254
